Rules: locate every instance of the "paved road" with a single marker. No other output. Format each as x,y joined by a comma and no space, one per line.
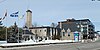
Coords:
67,46
71,46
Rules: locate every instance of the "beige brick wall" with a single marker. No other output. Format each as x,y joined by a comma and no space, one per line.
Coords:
43,31
29,19
66,37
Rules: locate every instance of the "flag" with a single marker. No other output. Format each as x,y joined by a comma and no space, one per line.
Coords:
20,17
14,14
3,18
5,15
0,19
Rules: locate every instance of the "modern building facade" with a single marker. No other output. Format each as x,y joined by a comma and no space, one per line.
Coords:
84,27
29,18
47,33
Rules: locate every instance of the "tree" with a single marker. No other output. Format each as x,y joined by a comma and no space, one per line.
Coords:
13,34
2,33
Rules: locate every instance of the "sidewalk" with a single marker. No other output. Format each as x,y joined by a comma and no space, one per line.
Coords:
47,42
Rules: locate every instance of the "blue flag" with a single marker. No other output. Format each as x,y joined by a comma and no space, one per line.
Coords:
14,14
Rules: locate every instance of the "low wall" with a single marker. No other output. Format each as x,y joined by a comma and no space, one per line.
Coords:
3,42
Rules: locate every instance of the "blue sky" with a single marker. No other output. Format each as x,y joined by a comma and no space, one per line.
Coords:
44,12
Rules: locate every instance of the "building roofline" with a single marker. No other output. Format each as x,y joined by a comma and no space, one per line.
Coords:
41,27
84,20
29,11
73,20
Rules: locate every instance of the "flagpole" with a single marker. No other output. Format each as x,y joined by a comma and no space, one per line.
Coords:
6,25
6,29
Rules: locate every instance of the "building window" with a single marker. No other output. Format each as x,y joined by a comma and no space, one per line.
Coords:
35,31
40,30
63,33
68,33
53,31
84,27
50,32
45,30
25,39
84,22
30,30
31,37
28,38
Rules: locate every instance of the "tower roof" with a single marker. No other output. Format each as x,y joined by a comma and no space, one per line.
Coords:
29,11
